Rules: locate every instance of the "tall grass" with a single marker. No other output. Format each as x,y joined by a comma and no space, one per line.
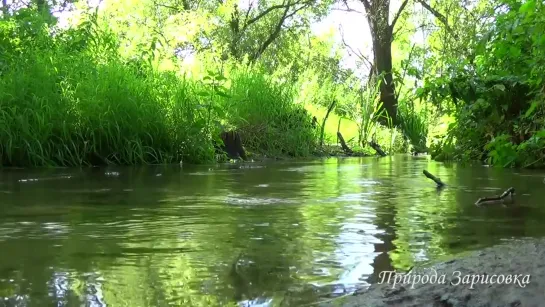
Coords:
62,104
368,111
62,109
269,121
414,125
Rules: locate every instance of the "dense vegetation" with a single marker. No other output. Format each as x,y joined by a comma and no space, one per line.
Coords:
151,81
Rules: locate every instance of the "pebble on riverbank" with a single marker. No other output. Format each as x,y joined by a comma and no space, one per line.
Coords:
522,258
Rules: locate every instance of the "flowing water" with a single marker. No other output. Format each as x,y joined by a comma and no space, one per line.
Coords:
282,234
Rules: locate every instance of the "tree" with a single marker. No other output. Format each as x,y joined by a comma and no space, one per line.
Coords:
254,29
382,33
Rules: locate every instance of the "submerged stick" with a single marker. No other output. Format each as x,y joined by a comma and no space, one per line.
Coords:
377,148
506,196
511,190
435,179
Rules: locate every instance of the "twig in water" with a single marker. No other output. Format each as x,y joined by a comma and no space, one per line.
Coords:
505,197
377,148
435,179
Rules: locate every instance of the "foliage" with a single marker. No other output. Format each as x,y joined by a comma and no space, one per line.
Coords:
496,94
269,121
366,111
73,99
413,124
147,83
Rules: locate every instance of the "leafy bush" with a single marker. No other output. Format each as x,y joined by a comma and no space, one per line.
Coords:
499,101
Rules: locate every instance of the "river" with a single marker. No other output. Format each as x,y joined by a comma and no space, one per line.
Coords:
259,234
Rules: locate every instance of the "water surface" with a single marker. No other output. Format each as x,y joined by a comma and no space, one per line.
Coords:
283,233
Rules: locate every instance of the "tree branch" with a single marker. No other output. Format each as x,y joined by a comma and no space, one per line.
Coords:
439,16
272,36
185,6
248,12
356,52
406,30
347,9
396,17
272,8
278,28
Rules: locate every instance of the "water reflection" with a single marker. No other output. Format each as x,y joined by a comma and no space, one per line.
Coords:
261,234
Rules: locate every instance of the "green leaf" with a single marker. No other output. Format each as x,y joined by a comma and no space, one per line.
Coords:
219,110
530,5
223,94
203,93
222,88
500,87
514,51
531,109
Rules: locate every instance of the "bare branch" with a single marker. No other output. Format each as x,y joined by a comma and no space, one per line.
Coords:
356,52
248,12
272,36
347,9
396,17
439,16
272,8
402,81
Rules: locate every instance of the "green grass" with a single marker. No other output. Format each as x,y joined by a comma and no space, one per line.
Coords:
67,106
388,139
62,103
349,128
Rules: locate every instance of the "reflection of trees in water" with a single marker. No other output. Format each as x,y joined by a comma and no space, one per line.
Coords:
154,236
280,258
75,227
267,235
385,218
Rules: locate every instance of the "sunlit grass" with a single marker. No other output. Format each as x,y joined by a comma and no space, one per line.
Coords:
62,103
66,107
349,128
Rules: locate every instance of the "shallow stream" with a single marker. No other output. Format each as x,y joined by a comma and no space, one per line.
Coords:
256,234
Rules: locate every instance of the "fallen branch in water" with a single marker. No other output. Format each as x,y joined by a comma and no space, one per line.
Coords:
435,179
377,148
345,147
506,196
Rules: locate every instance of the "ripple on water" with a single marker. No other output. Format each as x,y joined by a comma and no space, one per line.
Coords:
257,201
353,197
367,182
330,225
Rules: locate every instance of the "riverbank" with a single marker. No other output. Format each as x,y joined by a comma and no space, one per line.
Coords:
510,274
325,152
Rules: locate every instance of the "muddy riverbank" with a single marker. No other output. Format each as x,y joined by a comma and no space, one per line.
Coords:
509,274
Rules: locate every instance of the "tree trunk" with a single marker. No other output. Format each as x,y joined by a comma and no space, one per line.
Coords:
382,51
322,132
382,34
383,62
